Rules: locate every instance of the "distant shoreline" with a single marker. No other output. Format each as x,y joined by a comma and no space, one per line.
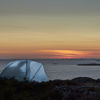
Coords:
92,64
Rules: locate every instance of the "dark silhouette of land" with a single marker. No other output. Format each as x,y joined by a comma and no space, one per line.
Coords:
82,88
91,64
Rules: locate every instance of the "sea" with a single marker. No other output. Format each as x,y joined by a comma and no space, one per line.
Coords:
62,69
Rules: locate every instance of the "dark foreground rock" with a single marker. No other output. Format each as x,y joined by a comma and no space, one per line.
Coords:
82,88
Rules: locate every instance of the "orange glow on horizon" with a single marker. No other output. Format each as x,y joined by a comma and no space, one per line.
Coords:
68,53
49,54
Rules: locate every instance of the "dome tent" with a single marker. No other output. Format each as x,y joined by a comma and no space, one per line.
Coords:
25,69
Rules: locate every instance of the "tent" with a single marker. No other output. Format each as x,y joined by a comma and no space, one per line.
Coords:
25,70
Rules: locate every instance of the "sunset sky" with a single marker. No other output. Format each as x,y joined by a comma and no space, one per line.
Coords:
49,29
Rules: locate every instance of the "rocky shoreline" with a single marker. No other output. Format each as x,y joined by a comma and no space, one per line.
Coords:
81,88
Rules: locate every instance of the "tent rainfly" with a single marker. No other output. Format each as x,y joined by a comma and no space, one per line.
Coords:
25,69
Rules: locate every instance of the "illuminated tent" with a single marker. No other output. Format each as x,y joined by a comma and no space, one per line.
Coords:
25,70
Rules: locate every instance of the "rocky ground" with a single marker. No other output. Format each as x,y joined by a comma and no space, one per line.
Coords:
82,88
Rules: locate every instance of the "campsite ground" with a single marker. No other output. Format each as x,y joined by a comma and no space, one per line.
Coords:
82,88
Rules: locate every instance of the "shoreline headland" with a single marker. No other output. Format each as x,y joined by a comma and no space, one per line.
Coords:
81,88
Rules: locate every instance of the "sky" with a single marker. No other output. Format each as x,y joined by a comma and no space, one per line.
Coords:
49,29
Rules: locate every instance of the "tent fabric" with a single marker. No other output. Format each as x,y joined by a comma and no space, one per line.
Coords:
25,70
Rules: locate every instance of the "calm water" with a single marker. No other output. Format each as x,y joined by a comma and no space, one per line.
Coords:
66,69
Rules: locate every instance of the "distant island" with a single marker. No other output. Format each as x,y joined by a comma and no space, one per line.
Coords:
91,64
